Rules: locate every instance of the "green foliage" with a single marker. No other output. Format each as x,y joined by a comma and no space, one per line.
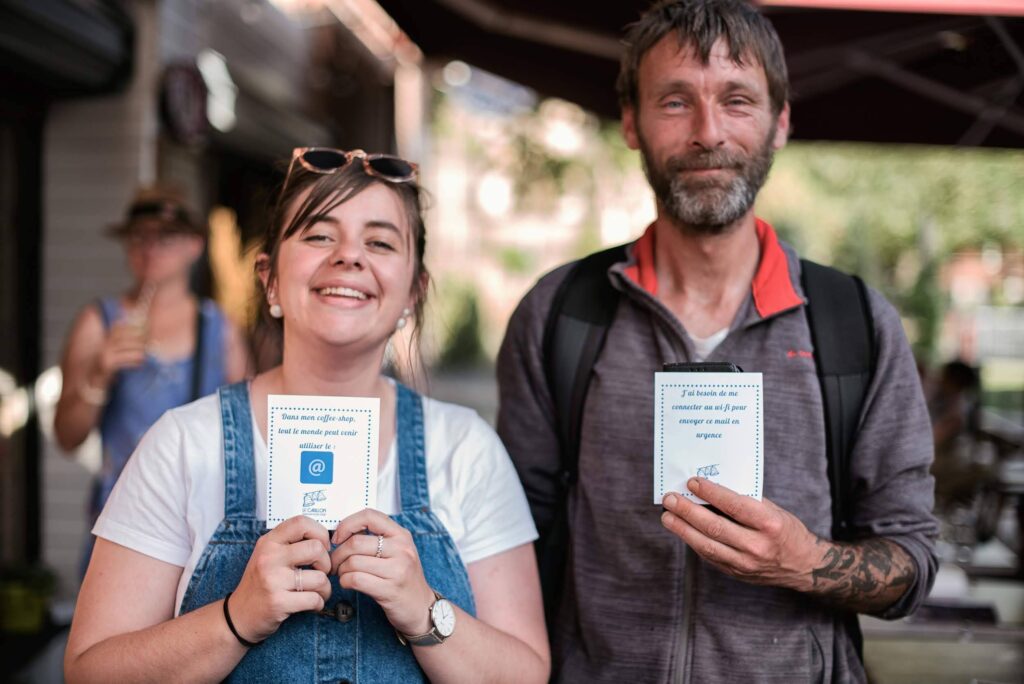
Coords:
895,214
924,305
25,592
463,347
515,260
841,196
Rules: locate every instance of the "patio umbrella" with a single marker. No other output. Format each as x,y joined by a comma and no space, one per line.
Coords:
943,72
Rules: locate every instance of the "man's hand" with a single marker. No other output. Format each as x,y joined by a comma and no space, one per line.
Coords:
754,541
761,543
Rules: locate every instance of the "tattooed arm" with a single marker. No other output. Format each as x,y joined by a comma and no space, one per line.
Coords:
866,576
761,543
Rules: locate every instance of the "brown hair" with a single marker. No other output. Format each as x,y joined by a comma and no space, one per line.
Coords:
699,24
325,193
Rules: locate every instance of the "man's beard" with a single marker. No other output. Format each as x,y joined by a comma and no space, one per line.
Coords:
708,205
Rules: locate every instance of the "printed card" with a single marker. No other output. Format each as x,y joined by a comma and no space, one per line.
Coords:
321,457
708,425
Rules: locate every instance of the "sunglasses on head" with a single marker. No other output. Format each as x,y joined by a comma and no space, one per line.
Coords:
329,160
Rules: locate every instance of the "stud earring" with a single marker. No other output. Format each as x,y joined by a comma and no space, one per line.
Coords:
275,311
402,320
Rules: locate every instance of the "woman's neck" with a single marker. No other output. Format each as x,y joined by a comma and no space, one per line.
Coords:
319,369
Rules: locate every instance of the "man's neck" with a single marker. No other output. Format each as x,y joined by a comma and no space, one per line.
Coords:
704,279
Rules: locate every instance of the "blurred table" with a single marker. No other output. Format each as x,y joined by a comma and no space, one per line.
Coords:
975,632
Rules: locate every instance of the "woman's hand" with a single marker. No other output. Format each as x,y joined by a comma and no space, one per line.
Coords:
124,347
393,578
269,590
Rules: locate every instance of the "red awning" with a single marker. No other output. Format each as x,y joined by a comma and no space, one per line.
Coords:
978,7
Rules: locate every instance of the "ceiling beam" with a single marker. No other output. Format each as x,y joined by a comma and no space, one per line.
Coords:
497,20
934,90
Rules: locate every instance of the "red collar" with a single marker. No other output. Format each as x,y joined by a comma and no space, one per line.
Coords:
772,287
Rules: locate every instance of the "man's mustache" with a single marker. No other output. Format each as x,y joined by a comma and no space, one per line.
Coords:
702,161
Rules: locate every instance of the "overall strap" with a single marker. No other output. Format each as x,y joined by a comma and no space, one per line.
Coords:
239,461
110,309
412,458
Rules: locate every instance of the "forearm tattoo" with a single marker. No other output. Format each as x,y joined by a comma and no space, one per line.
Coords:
866,576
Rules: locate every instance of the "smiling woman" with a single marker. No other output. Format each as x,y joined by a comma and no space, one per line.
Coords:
186,578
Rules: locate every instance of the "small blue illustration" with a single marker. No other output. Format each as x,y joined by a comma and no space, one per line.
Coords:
310,499
708,470
316,467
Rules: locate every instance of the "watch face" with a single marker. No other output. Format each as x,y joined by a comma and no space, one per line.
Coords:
443,615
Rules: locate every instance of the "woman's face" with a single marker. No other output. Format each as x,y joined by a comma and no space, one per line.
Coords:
156,256
346,277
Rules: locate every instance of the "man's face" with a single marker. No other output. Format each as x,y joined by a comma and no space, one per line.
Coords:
707,133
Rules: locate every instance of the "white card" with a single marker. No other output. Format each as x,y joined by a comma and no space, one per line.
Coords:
708,425
321,457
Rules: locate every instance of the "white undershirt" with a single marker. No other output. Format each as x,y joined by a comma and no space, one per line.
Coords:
703,346
170,498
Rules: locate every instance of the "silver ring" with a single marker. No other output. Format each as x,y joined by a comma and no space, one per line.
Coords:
380,545
298,579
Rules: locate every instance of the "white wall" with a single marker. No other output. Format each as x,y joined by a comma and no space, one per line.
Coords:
96,151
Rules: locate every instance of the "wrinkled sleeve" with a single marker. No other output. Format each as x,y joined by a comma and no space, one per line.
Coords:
526,422
892,484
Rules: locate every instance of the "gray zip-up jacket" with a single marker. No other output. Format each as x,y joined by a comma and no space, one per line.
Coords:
633,611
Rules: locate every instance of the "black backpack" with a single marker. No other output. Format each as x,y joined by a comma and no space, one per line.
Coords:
577,324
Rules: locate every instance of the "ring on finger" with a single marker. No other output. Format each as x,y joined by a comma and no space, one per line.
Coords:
298,579
380,545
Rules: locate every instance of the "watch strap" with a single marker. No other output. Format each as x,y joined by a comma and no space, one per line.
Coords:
431,638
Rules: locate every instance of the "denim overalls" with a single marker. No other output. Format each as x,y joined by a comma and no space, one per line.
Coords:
351,639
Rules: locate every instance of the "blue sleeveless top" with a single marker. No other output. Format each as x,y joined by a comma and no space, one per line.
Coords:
350,640
138,396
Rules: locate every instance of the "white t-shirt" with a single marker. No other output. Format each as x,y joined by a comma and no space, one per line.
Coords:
703,346
170,498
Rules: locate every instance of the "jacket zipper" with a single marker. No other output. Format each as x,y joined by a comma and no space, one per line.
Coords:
684,650
683,647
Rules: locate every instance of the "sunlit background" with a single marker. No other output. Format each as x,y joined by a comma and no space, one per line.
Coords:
103,96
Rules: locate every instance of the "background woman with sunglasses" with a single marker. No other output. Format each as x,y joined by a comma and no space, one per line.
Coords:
129,358
440,583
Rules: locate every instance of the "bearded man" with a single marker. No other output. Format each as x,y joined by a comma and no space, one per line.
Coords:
744,590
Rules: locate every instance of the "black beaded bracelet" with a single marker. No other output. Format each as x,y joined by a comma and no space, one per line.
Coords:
231,625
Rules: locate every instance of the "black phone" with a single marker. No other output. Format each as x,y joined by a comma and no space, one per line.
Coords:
702,367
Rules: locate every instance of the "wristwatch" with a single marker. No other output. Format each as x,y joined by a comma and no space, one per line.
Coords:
442,621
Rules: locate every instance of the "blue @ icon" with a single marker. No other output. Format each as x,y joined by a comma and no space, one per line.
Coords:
316,467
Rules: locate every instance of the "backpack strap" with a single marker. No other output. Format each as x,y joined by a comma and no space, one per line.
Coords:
577,324
574,333
844,352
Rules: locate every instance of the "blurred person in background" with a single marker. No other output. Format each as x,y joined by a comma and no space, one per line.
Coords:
187,583
953,405
131,357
